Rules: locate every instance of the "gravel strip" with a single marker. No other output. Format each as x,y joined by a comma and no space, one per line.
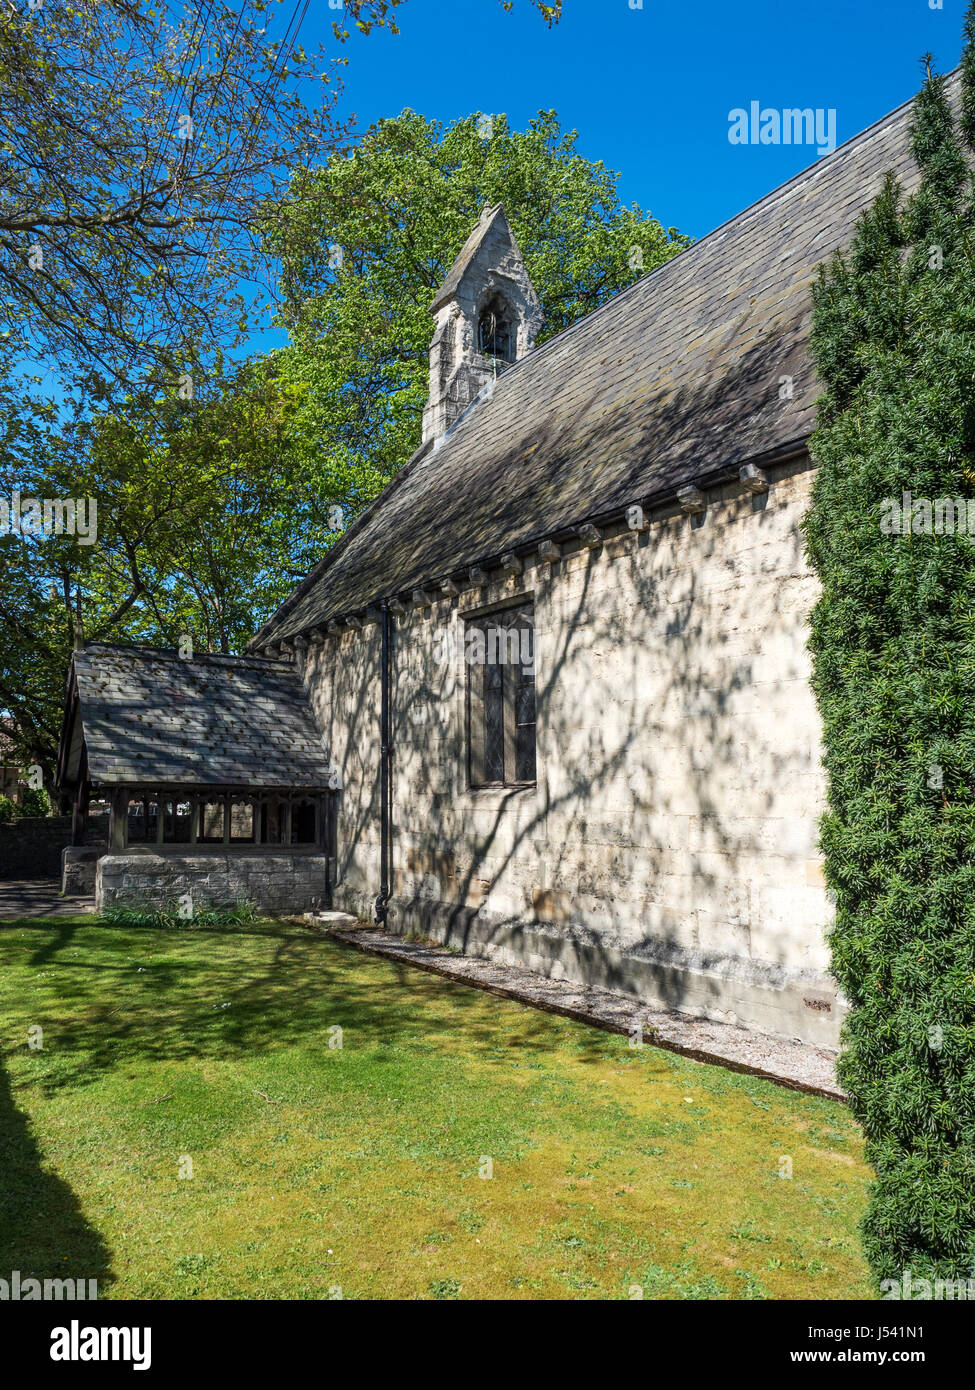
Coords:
793,1064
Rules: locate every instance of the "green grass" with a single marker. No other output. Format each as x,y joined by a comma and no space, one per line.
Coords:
318,1168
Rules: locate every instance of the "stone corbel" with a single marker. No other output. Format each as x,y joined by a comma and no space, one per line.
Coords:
511,564
589,535
753,478
691,499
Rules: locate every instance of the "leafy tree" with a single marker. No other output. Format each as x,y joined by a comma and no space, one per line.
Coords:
123,248
894,663
367,239
206,517
138,148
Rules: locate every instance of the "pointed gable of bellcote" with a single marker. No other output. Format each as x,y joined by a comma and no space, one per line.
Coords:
487,316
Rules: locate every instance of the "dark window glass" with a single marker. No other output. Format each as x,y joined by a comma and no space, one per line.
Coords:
525,724
501,699
272,822
177,820
136,821
493,724
493,332
303,823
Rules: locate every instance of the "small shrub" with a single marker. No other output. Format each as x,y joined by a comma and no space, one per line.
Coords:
170,915
34,802
8,811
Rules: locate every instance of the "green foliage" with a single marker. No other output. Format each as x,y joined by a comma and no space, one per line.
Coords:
35,802
894,665
171,916
209,511
32,803
366,240
125,235
217,492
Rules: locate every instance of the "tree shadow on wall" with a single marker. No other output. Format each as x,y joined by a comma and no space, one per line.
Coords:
617,799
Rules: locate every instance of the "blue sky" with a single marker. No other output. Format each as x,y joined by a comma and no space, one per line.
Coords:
649,90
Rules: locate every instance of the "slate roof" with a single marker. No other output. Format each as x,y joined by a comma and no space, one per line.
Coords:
150,717
675,380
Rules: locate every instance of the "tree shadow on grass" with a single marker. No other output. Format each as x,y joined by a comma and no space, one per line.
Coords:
183,996
43,1231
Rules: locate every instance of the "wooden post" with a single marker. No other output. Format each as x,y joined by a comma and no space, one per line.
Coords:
227,811
79,814
79,811
118,819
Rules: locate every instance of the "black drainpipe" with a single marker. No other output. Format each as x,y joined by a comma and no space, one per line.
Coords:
385,856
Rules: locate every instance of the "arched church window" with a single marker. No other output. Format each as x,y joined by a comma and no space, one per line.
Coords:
494,336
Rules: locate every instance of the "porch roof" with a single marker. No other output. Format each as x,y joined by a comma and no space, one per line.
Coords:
143,716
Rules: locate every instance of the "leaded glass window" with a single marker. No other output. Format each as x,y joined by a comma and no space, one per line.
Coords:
501,699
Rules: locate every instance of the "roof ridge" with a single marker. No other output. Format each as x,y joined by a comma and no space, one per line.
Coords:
811,171
172,654
510,372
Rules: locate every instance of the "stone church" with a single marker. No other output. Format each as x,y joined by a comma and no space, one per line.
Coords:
548,698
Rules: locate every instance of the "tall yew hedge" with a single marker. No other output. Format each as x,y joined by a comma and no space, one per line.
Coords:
893,641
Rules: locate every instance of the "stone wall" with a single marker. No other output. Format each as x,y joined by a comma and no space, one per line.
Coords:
669,848
78,867
278,884
31,848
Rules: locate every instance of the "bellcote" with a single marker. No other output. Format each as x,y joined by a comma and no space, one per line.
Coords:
487,316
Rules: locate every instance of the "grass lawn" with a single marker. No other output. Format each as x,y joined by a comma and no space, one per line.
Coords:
316,1168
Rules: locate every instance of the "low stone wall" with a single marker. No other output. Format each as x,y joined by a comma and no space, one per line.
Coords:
278,884
31,848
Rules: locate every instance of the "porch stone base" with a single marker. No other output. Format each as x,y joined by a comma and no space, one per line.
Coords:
805,1006
78,867
278,884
